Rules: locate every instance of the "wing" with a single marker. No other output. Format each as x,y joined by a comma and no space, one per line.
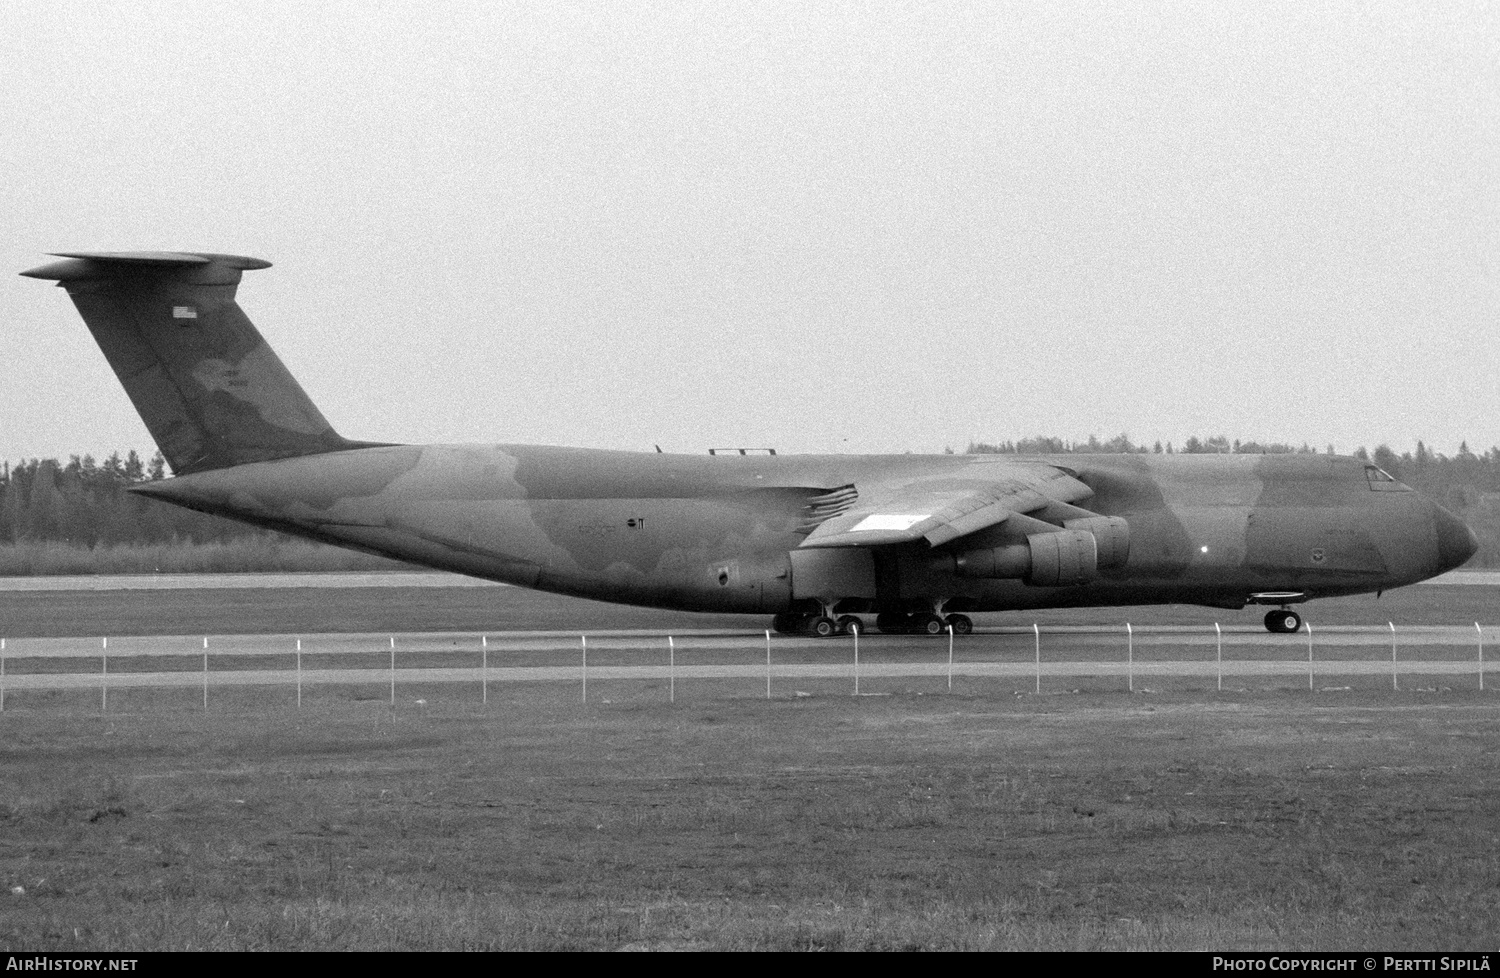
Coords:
942,509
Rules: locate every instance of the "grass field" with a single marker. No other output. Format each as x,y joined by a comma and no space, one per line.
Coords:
1272,819
729,822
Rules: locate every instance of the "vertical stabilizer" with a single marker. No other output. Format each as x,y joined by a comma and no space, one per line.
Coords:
210,390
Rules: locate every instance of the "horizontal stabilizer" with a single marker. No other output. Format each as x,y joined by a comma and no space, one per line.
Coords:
99,264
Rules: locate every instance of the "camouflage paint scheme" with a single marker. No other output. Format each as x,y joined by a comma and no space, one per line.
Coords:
738,533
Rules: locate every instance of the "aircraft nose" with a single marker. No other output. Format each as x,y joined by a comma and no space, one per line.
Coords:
1456,543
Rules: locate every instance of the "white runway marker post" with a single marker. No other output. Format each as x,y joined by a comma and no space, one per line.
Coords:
299,673
484,670
1476,628
1308,626
585,641
856,662
205,674
1038,632
393,672
950,658
1129,658
1219,658
2,674
104,682
671,670
1394,683
768,665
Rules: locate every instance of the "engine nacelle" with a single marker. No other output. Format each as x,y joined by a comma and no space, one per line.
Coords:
1111,536
1060,559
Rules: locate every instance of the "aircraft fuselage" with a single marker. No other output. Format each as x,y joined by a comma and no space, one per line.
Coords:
722,533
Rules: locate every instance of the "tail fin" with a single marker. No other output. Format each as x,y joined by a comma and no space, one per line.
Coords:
210,390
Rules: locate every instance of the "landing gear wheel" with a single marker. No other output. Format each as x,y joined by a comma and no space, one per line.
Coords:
850,623
961,624
822,627
1283,622
928,625
892,623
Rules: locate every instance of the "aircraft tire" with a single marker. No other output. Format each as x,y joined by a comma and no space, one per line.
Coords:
822,627
961,624
848,622
1283,622
928,625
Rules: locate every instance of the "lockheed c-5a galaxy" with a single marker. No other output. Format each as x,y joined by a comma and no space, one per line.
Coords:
815,540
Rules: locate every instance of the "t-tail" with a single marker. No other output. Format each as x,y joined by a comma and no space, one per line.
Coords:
210,390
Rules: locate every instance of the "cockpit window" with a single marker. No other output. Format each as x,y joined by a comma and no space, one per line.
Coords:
1382,481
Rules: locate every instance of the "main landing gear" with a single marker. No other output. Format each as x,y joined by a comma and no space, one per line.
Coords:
1283,622
817,626
827,626
928,624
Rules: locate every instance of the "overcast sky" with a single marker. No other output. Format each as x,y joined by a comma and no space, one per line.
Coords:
851,228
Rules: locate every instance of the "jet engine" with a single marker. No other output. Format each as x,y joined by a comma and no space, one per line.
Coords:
1059,559
1073,554
1111,534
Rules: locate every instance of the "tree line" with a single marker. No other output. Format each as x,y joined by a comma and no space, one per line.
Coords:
84,502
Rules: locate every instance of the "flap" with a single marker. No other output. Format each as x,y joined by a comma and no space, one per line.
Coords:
940,510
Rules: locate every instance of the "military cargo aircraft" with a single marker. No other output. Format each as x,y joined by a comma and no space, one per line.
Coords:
815,540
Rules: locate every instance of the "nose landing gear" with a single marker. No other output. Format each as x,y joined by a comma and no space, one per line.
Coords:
1283,622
